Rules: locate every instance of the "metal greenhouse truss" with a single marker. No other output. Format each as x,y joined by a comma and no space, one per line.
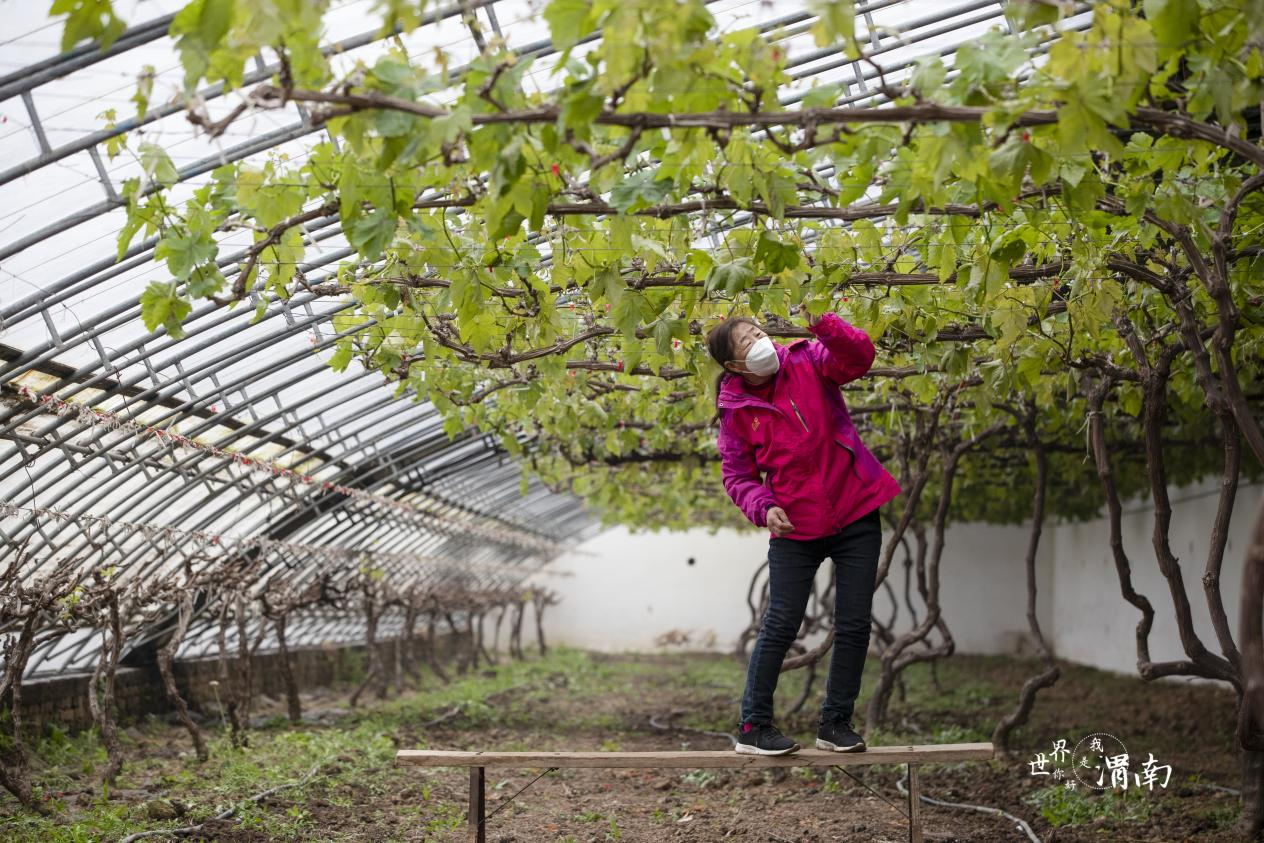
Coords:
518,231
161,460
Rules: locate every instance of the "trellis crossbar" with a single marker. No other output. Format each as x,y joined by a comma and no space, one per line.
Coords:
478,762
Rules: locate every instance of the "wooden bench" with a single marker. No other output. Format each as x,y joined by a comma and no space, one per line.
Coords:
478,762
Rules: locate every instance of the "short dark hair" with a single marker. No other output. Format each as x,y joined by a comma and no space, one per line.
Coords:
720,345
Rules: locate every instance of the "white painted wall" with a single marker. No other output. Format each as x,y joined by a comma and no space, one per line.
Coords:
1096,626
628,589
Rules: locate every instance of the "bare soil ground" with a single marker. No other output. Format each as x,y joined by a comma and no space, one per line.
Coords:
573,700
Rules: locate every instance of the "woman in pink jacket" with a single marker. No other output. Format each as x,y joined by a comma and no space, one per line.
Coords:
781,412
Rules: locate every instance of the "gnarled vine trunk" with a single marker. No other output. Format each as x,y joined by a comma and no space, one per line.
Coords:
293,703
373,672
1250,731
166,659
15,763
1047,677
101,690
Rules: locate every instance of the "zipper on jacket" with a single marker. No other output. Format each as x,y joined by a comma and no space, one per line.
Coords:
800,415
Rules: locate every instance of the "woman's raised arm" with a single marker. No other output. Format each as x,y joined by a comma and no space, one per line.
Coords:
843,352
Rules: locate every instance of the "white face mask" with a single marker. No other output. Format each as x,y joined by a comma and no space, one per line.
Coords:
761,357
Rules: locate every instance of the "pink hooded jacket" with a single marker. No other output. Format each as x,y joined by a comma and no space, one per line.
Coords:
817,469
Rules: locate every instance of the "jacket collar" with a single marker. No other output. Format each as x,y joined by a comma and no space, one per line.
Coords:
733,391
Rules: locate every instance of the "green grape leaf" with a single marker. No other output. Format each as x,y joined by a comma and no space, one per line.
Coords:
162,306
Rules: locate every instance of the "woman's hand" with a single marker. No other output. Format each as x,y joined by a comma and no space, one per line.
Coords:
812,320
778,521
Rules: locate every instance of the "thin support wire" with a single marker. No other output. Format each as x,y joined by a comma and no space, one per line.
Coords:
874,792
515,796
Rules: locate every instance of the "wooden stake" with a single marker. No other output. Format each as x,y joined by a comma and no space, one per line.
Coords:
478,822
914,806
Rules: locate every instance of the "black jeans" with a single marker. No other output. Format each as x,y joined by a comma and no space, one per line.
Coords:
792,566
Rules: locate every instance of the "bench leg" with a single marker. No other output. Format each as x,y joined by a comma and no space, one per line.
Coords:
478,806
914,806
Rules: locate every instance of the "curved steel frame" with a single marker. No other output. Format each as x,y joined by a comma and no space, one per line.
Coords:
277,403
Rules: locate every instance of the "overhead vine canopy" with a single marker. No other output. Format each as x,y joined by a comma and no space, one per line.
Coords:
350,312
526,225
533,236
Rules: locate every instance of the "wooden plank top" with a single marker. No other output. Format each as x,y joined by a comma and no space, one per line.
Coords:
806,757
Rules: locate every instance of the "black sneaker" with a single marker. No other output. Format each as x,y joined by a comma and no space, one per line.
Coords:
763,739
837,735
